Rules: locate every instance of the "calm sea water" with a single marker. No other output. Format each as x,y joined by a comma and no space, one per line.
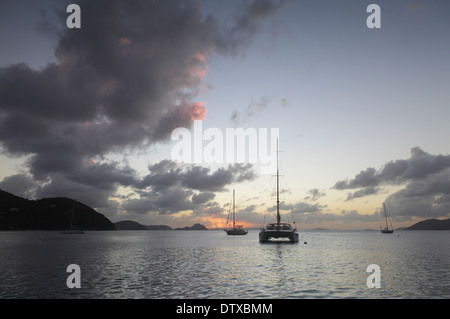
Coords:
210,264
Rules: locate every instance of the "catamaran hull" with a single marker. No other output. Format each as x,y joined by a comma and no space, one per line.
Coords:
266,235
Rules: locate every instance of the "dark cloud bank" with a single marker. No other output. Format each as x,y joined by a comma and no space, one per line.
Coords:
425,179
123,81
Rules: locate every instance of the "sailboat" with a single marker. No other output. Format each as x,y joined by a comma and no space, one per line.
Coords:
278,230
236,229
387,230
72,229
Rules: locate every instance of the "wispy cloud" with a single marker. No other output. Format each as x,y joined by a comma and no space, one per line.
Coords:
257,107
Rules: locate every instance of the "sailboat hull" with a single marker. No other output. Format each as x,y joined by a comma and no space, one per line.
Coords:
386,230
72,232
236,232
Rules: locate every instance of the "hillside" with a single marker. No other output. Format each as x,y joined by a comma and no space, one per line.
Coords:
17,213
129,225
431,224
132,225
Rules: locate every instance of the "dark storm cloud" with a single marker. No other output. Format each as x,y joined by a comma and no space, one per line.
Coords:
363,179
199,178
173,200
202,198
116,79
362,192
20,185
125,80
418,166
426,198
105,175
92,195
170,188
166,174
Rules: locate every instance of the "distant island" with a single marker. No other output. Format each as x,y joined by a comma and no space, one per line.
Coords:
194,227
158,227
133,225
17,213
431,224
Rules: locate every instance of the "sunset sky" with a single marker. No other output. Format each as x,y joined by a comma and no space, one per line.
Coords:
362,113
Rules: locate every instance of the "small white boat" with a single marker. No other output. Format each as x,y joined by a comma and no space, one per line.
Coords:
236,229
72,230
387,230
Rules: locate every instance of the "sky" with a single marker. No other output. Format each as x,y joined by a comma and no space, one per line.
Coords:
361,113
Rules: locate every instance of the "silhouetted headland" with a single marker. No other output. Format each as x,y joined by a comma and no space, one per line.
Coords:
17,213
129,225
431,224
133,225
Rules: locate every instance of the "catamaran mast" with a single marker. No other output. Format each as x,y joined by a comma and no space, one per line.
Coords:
278,193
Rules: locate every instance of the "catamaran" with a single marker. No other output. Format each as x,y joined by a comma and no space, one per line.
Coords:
236,229
278,230
387,230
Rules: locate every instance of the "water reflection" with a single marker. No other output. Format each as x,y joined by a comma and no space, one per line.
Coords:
211,265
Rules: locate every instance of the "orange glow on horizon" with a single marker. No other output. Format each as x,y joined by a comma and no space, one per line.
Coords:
221,223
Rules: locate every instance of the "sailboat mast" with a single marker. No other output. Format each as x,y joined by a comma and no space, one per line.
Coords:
385,215
234,220
278,192
71,218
